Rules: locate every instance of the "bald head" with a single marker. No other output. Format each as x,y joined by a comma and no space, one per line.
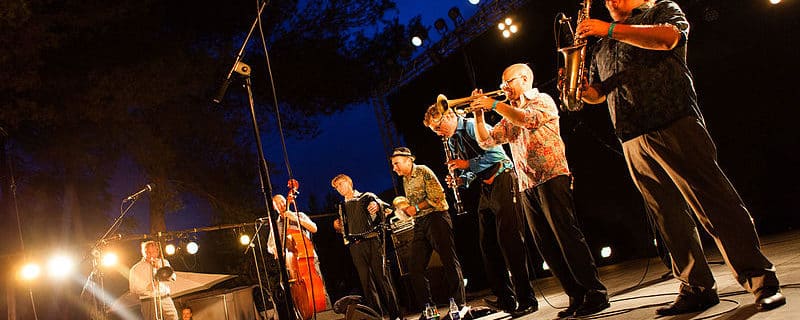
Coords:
279,202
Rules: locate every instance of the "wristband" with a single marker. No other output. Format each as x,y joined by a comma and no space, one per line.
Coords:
416,206
494,105
611,30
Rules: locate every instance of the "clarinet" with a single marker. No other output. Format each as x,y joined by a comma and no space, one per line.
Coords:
448,154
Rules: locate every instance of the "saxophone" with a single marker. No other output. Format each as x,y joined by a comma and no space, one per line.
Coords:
448,154
571,82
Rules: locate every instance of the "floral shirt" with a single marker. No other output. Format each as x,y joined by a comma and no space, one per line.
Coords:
646,89
536,147
422,185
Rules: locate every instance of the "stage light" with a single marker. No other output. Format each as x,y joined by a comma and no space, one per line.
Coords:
30,271
455,14
244,239
416,41
60,266
774,1
475,2
440,26
109,259
192,247
507,27
545,267
170,249
605,252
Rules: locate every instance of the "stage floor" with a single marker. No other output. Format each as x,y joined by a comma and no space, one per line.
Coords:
632,301
637,288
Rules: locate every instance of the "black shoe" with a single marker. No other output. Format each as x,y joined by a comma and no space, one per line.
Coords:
574,304
689,302
492,303
594,302
524,309
769,298
507,304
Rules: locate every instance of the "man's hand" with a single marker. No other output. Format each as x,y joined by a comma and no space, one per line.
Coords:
592,27
288,215
373,207
453,182
410,211
337,225
457,164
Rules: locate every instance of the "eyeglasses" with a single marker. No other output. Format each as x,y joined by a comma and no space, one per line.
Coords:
504,84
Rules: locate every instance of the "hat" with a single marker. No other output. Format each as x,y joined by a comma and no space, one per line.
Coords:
402,151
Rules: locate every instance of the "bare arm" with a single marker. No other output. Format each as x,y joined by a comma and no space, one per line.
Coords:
652,37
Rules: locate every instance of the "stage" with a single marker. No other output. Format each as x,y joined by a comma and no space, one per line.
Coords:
632,301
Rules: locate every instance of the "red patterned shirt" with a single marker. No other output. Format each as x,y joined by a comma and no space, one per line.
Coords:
536,146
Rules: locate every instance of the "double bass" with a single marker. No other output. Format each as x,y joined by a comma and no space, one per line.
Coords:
308,290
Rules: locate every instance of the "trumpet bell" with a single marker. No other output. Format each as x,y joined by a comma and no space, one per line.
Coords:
164,273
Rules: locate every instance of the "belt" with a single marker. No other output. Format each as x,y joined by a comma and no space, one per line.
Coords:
151,298
361,238
499,172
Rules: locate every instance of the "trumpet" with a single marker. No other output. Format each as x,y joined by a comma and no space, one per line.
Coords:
442,103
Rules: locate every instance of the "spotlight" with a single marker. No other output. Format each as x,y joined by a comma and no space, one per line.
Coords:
30,271
244,239
170,249
416,41
109,259
545,267
456,16
774,1
440,25
60,266
192,247
605,252
507,27
475,2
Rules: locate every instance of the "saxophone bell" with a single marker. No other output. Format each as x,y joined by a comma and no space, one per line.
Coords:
572,81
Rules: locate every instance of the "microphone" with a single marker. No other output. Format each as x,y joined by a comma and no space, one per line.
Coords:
147,188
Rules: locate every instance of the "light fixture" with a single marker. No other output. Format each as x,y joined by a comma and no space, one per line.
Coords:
475,2
455,14
60,266
774,1
170,249
507,27
440,26
30,271
545,267
244,239
605,252
416,41
192,247
109,259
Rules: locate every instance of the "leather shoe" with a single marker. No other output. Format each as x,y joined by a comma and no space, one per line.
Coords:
594,302
574,303
690,302
524,309
769,298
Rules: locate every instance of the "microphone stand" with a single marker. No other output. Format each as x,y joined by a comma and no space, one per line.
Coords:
96,275
280,296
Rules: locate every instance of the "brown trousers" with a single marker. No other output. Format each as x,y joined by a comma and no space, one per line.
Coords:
676,166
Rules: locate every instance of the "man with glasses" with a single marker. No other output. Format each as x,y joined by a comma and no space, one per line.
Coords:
499,228
530,127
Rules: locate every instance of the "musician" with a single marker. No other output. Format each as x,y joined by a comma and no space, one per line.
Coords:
639,68
186,313
362,226
433,229
309,227
530,126
153,294
500,226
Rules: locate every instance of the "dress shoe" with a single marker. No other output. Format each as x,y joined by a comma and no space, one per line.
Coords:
594,302
574,303
689,302
524,309
769,298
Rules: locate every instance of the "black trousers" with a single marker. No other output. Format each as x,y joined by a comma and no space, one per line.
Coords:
375,277
551,216
676,166
502,240
434,231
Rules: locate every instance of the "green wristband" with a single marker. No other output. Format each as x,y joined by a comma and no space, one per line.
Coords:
416,206
611,30
494,105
